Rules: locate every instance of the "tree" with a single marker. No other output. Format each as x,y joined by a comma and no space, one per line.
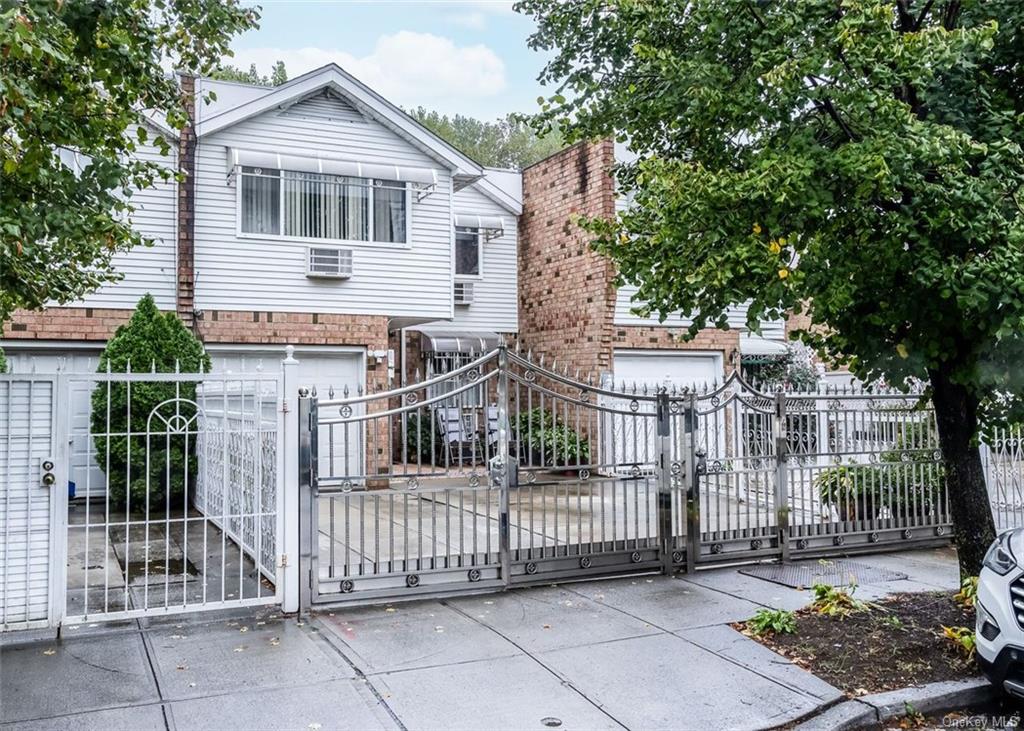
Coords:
147,467
278,75
509,142
859,161
82,77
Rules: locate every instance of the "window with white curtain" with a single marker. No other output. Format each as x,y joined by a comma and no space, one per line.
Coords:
318,206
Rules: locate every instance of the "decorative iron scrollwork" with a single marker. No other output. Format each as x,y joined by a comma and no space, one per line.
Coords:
531,568
411,397
635,557
873,537
908,534
839,540
530,375
801,544
412,581
347,486
755,545
716,548
676,469
634,406
413,483
585,562
677,557
347,586
345,411
584,474
473,375
474,574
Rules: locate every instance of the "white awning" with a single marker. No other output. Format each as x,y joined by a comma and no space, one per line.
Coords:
492,226
751,344
330,166
443,340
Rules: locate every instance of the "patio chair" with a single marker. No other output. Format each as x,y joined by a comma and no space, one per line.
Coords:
462,445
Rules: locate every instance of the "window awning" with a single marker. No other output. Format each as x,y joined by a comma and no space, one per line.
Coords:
751,344
329,166
443,340
492,226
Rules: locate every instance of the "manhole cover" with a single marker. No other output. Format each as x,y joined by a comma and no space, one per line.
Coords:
805,574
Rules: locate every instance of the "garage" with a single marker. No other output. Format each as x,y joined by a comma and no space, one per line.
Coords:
328,369
323,368
673,368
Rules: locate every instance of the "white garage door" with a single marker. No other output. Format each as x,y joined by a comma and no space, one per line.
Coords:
632,439
648,368
340,449
85,471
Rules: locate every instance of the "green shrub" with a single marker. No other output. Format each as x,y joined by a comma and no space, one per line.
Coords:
150,340
771,622
907,478
3,362
539,433
423,441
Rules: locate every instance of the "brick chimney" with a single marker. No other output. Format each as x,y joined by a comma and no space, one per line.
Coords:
186,205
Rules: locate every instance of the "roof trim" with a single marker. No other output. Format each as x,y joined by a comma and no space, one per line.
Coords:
499,196
365,99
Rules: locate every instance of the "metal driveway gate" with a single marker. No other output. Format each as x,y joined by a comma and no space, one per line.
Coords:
504,472
500,472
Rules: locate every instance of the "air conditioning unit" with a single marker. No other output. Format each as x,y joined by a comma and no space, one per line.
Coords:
328,262
464,293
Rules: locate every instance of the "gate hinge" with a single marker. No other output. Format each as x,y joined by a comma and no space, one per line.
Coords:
284,561
284,406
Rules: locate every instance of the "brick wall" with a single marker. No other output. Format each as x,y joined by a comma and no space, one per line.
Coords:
566,296
65,323
186,206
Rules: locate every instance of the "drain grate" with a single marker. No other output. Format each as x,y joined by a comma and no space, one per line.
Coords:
804,574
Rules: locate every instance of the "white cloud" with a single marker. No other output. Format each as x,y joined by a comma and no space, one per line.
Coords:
407,68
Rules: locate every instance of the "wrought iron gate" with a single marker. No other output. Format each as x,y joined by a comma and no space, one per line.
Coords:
505,471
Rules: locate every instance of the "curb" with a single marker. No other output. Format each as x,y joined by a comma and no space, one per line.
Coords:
878,707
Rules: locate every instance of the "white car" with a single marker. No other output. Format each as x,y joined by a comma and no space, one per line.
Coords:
999,631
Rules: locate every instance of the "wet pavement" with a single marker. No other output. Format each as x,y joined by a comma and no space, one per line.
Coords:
636,652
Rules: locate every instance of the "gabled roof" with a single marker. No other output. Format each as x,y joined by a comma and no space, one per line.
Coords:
366,100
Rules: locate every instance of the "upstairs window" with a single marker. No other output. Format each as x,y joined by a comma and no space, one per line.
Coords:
468,253
318,206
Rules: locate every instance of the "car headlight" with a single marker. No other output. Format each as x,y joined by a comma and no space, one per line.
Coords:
999,557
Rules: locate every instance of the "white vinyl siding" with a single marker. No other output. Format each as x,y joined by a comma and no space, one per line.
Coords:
253,272
495,292
770,329
147,269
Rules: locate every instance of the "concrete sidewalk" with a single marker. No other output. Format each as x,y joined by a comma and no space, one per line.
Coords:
637,653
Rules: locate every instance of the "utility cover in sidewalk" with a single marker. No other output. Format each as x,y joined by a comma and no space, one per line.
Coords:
804,574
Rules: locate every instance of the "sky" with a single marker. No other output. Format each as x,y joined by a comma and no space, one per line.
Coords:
455,56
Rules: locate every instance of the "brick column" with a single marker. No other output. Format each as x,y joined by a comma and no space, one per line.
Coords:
186,206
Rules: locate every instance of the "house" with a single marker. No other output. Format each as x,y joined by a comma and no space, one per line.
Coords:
316,214
570,308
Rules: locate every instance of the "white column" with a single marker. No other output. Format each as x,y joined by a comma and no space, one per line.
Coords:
288,484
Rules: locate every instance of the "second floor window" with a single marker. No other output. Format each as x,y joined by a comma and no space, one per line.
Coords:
467,252
315,206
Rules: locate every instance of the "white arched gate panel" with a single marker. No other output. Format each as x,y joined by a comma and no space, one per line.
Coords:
30,501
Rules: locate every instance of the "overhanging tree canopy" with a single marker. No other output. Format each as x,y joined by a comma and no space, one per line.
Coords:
859,159
75,76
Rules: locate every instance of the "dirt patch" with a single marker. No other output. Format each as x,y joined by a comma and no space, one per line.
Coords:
897,643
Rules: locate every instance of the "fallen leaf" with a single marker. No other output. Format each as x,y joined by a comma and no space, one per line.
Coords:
547,626
243,629
49,652
240,649
182,667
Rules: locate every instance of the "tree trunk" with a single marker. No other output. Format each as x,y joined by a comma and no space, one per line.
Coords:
956,414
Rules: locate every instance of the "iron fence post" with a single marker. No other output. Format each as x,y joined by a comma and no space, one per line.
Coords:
508,468
781,503
306,504
691,484
666,542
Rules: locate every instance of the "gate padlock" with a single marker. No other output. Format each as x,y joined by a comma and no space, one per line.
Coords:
47,467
